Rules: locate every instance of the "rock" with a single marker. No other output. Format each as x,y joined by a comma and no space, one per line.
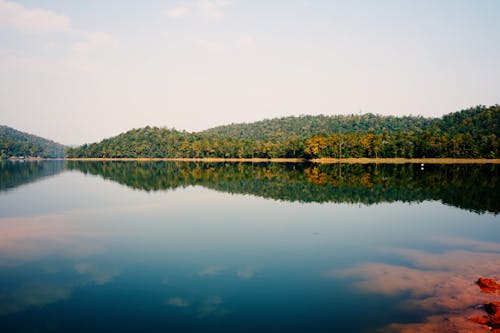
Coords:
492,319
492,308
479,320
489,286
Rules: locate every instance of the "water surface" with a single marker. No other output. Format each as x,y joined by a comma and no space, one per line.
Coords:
190,247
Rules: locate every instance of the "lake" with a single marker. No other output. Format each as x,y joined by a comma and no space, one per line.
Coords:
228,247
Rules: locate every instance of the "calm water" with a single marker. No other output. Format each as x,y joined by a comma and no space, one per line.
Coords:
166,247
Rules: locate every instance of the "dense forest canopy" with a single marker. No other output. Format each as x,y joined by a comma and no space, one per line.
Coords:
14,143
470,133
308,126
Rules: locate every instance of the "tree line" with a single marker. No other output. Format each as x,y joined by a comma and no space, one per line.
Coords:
471,133
14,143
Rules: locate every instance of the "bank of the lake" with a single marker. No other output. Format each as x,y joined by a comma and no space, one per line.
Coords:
303,160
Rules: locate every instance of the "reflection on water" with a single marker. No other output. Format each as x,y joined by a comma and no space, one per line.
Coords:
13,174
472,187
111,258
438,284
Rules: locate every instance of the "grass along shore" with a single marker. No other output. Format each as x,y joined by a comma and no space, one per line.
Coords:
302,160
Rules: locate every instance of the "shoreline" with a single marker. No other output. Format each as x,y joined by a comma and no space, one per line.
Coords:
301,160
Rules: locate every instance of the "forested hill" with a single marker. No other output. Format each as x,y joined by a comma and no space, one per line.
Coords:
470,133
477,121
308,126
14,143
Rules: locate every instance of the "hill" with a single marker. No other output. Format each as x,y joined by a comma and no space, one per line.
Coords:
470,133
14,143
307,126
480,120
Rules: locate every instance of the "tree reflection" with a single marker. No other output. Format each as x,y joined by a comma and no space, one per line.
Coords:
471,187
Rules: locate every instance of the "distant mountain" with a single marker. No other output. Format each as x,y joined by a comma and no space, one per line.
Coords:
470,133
14,143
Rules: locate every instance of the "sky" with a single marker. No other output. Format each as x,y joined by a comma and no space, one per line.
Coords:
80,71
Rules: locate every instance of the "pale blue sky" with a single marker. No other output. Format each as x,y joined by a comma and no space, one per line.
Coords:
79,71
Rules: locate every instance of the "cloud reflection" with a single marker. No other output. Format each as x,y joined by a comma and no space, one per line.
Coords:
440,284
211,270
178,302
34,237
33,294
98,275
212,307
41,292
246,273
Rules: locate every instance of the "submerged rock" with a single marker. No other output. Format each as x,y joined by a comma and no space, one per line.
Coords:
489,286
492,319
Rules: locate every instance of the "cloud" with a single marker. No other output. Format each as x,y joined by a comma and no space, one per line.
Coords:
204,8
211,270
246,273
212,307
33,21
33,294
213,8
438,283
42,292
33,237
176,12
178,302
465,262
93,41
438,324
39,21
470,244
98,275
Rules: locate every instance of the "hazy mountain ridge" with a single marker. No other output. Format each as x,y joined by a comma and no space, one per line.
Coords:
14,143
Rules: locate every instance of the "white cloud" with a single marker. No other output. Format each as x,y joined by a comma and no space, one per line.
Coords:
213,8
35,20
178,11
94,41
206,8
